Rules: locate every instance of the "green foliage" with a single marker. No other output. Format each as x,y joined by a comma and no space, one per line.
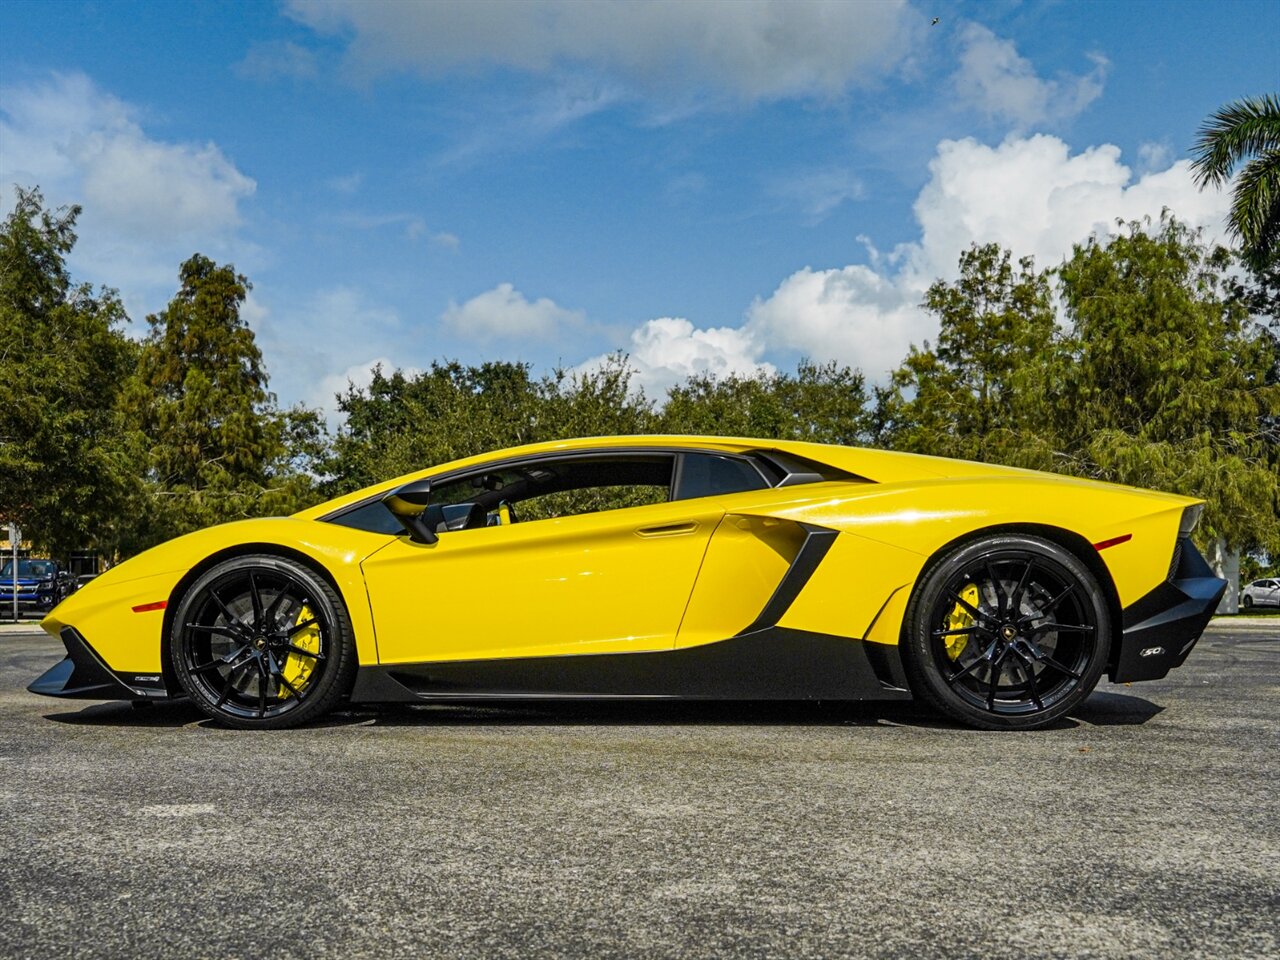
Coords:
217,448
1160,379
1169,384
1257,290
823,403
65,475
1248,128
1256,567
570,503
979,394
1154,366
401,423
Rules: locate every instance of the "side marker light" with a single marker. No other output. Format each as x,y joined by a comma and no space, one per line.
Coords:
1114,541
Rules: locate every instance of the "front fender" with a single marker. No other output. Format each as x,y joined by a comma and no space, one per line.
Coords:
129,639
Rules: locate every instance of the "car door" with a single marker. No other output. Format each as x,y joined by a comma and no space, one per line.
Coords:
608,582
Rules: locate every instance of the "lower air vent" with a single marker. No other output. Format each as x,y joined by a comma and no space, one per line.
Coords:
1177,557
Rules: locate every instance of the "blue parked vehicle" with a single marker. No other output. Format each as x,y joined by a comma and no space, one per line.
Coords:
42,585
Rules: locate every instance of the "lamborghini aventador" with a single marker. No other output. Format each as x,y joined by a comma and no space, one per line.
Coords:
658,567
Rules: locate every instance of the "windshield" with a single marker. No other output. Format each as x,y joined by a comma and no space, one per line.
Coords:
37,569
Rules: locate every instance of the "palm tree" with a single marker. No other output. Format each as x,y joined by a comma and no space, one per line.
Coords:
1248,128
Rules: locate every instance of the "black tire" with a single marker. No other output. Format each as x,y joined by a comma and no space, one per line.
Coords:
1248,601
1026,646
260,642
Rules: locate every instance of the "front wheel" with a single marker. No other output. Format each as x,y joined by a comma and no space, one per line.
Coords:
261,642
1248,601
1007,632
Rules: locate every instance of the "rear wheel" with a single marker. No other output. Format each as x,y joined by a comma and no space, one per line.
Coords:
1007,632
260,642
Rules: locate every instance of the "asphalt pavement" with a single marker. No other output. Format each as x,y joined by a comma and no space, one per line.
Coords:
1146,826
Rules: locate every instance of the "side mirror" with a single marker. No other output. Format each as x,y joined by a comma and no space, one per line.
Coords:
408,504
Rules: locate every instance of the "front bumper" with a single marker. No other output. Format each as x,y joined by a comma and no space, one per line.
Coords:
1160,629
27,601
82,675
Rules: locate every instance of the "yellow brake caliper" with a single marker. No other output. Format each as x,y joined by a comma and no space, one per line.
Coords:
297,668
959,619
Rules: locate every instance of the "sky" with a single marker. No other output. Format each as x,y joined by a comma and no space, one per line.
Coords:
723,187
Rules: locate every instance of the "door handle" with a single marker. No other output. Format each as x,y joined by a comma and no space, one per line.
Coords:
669,529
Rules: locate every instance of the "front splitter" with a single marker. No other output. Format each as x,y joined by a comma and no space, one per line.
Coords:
82,675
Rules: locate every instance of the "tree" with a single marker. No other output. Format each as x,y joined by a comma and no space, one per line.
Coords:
1171,384
218,448
823,403
399,424
65,470
1248,128
594,403
978,394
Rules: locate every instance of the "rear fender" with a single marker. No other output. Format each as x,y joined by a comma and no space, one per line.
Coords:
923,517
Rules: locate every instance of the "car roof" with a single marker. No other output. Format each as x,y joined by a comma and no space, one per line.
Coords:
879,466
887,466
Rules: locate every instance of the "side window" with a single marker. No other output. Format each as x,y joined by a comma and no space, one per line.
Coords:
550,489
569,503
569,487
372,516
707,475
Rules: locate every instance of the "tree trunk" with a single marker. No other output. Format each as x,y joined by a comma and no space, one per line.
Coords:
1226,564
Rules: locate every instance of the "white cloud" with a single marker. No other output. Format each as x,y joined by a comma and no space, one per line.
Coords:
348,184
309,350
818,192
254,312
667,350
65,133
413,226
1154,156
505,313
147,202
145,188
358,375
1031,195
854,314
750,49
1004,85
511,123
278,59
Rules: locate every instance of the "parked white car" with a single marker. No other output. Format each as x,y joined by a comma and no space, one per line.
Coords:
1261,593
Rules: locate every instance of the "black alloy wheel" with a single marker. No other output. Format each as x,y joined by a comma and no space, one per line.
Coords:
1007,632
260,642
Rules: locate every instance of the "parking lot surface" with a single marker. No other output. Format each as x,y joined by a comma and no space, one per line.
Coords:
1147,826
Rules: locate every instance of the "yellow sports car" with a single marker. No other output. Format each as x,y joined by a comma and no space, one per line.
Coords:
688,567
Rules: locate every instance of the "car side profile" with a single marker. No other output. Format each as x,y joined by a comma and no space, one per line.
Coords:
1261,593
658,567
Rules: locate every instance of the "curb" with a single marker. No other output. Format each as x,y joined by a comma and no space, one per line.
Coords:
22,626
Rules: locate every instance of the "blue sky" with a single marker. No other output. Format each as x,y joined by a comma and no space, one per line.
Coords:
725,186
